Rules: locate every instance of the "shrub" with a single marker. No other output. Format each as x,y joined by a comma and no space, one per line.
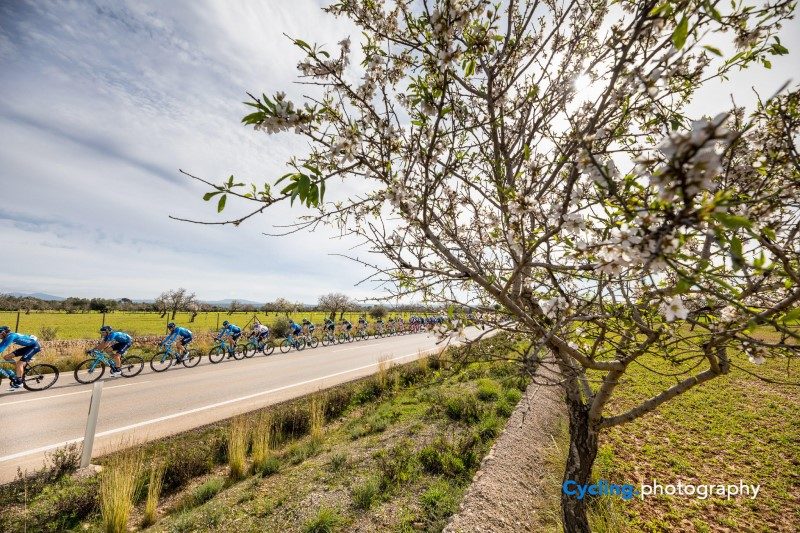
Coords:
488,390
365,494
463,407
396,465
439,502
489,427
119,484
513,396
325,521
338,461
280,327
202,493
47,333
186,463
300,452
441,457
374,423
337,401
270,465
62,505
503,408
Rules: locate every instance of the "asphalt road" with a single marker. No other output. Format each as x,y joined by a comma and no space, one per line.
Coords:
153,405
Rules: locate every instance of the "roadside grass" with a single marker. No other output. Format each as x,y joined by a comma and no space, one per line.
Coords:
319,478
733,428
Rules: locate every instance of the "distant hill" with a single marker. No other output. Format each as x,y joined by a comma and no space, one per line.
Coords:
227,302
40,295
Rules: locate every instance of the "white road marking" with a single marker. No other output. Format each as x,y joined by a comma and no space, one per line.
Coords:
86,391
205,407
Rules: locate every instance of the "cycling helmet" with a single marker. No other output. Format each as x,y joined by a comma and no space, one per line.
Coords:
305,321
5,329
226,323
105,329
171,325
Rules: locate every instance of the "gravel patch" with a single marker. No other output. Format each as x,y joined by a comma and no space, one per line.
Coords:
505,490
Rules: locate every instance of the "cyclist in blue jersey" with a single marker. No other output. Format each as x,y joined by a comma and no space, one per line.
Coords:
179,335
308,327
233,331
115,344
29,346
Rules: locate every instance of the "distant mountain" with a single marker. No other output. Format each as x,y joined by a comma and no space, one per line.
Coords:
39,295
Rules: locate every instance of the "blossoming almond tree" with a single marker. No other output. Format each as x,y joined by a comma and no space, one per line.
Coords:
604,226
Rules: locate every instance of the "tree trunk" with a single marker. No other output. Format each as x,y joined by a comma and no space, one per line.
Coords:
580,458
174,312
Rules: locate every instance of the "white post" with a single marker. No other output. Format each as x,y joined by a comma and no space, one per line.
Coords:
91,424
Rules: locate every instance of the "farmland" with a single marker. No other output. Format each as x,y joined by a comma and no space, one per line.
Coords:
85,325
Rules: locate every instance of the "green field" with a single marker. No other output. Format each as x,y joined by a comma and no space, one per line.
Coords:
85,325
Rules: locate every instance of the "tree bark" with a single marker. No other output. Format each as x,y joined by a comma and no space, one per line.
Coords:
580,458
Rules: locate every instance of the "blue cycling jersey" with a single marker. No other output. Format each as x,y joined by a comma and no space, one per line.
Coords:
18,338
178,332
230,329
296,328
118,336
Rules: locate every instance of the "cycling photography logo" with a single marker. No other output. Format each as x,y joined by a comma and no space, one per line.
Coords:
628,491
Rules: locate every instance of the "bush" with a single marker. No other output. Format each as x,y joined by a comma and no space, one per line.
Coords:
463,407
153,494
62,505
47,333
439,458
439,502
185,464
489,427
337,401
488,390
338,461
280,327
119,485
270,465
503,408
513,396
325,521
365,495
396,465
238,441
202,493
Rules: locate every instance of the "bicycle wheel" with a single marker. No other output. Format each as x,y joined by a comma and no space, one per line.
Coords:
286,346
191,359
161,361
40,377
340,338
300,344
89,371
327,340
216,354
249,350
239,352
312,342
268,348
132,365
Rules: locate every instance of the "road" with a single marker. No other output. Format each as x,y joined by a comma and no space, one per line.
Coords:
154,405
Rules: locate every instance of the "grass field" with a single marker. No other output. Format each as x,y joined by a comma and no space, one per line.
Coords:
733,428
86,325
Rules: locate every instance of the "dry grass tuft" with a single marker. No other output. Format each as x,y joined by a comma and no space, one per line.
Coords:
153,494
238,441
120,481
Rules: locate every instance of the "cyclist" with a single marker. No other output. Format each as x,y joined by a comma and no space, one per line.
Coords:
181,336
308,327
362,324
115,344
347,326
330,326
29,346
379,325
233,331
260,332
294,331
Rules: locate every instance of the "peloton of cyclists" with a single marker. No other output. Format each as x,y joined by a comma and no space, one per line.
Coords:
179,335
346,326
308,327
115,344
230,330
29,346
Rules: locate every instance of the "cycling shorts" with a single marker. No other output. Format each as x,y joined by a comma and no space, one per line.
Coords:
235,336
27,352
263,335
186,340
121,347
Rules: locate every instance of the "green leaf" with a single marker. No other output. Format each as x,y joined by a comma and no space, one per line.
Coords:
221,204
792,315
681,33
659,9
732,221
683,286
209,195
713,49
469,70
302,44
766,62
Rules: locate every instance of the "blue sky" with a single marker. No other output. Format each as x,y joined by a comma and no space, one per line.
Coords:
102,102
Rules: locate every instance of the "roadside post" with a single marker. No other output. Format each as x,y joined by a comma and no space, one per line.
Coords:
16,328
91,424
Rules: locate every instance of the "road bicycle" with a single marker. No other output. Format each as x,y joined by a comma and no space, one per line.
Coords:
344,336
379,330
222,347
34,377
311,340
254,345
328,337
362,334
298,343
92,369
168,356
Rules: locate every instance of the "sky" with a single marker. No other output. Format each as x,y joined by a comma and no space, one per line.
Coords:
101,102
